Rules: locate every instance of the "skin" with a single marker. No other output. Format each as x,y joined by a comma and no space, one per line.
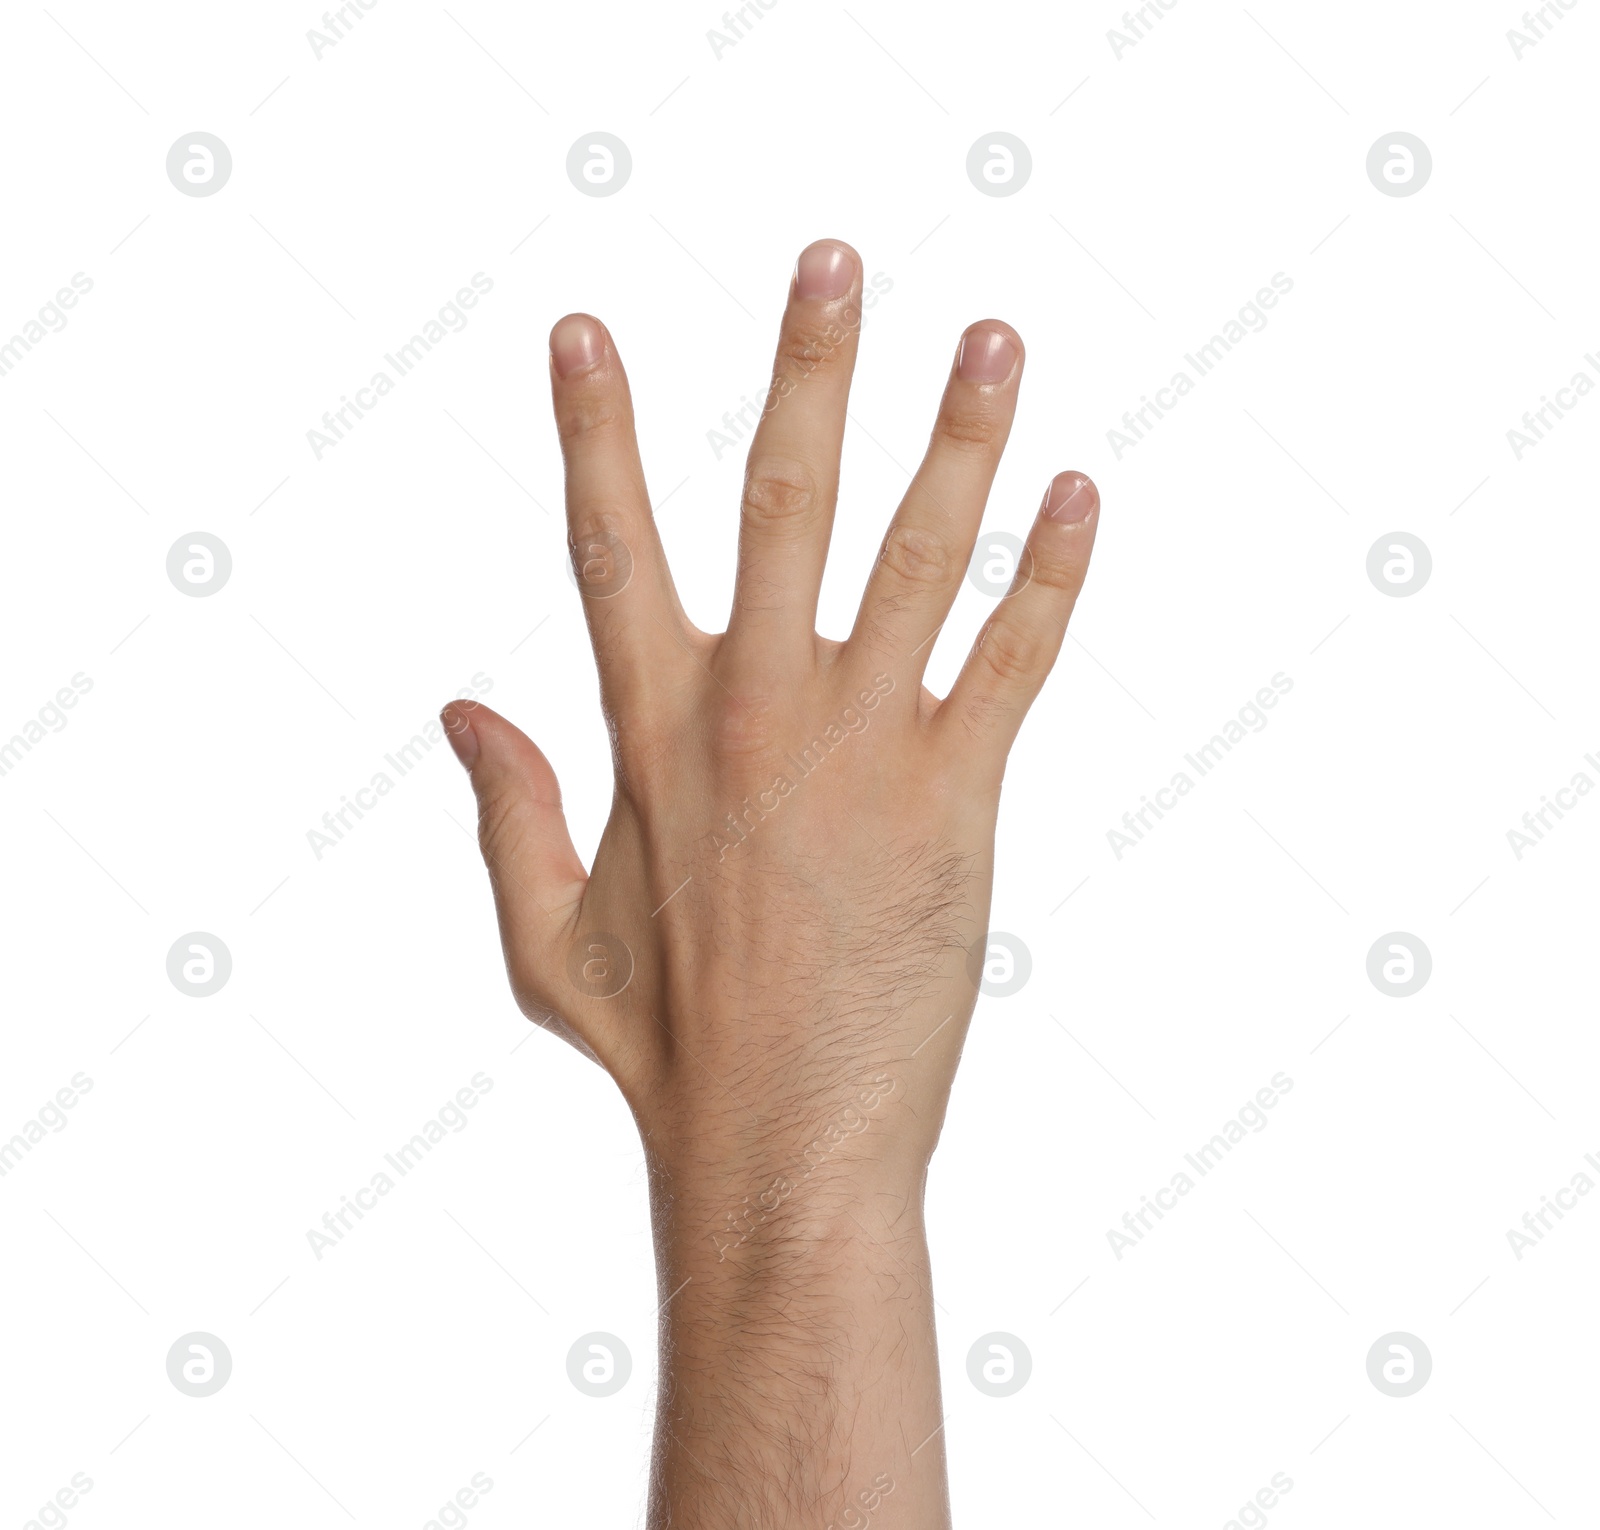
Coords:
792,910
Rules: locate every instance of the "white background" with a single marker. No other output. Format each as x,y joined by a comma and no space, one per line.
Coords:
1168,185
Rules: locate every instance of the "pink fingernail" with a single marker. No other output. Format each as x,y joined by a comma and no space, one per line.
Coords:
824,271
1070,498
575,343
987,356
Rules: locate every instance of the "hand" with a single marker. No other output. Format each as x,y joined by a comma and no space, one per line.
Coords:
776,953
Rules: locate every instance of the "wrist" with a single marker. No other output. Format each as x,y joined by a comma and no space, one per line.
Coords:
762,1190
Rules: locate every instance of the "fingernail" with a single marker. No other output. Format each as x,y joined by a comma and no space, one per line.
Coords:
1070,498
824,271
575,343
987,356
458,728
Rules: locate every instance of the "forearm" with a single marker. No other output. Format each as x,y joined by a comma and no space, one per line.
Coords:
799,1374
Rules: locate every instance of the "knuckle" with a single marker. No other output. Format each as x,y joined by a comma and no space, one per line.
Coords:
1062,576
917,556
1011,654
502,820
585,417
778,492
594,527
743,729
972,428
804,349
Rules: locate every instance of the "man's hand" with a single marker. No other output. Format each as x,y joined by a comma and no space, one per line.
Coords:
777,951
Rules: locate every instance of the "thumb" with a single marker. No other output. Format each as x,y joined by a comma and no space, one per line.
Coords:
537,877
